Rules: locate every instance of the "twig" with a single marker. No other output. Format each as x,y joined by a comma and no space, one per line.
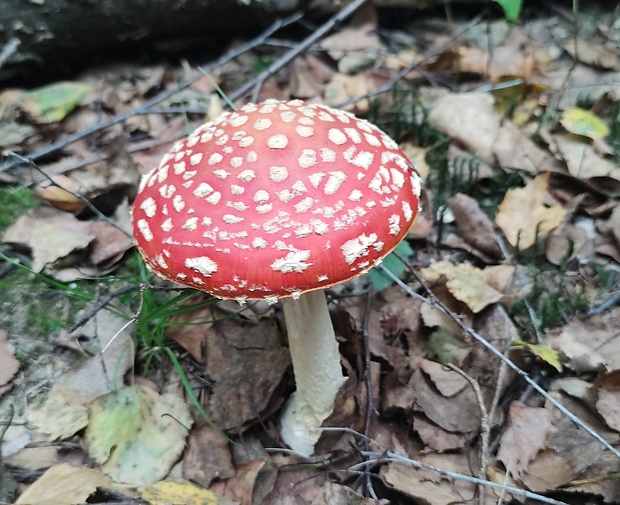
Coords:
285,59
390,457
164,95
484,427
101,305
9,49
435,302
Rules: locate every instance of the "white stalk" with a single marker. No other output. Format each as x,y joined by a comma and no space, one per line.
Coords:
316,365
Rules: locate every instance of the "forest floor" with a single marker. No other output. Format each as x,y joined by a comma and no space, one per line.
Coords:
489,372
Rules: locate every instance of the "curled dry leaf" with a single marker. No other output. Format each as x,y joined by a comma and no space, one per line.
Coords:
465,282
474,225
608,403
589,345
63,485
8,364
523,216
524,437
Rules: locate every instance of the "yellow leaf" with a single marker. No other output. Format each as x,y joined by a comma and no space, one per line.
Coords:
523,216
465,282
178,491
52,103
583,122
63,485
547,354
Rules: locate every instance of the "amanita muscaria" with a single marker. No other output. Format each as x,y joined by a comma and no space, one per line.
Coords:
277,201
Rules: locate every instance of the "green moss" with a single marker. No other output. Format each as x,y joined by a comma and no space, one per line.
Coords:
14,202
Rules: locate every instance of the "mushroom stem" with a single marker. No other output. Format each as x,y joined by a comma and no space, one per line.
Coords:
317,369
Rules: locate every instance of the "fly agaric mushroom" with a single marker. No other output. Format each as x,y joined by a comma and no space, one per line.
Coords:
277,201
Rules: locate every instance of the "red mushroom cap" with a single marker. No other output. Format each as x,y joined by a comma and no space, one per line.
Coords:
274,200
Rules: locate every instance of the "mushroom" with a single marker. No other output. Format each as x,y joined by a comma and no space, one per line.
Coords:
278,201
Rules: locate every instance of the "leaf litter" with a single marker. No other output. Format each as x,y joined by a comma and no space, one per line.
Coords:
518,236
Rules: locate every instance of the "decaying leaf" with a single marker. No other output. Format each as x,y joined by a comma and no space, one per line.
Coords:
63,414
545,353
474,225
524,437
465,282
589,345
136,435
63,485
179,491
523,216
608,403
8,364
52,103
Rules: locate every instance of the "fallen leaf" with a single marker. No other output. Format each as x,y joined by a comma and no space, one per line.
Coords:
52,236
523,216
465,282
337,494
240,488
593,53
52,103
582,160
179,491
524,437
435,437
207,456
63,413
447,381
589,345
470,119
136,435
8,364
458,414
608,403
583,122
474,225
549,356
63,485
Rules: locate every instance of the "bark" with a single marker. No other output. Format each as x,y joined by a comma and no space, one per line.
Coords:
56,34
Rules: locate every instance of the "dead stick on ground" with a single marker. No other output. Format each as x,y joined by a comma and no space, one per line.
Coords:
164,95
484,428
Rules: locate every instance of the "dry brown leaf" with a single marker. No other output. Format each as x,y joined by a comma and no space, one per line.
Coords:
343,87
524,437
515,150
50,234
593,53
8,364
337,494
63,485
589,345
457,414
523,216
471,119
474,225
207,457
413,482
240,487
246,361
63,413
447,381
582,160
435,437
608,403
465,282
